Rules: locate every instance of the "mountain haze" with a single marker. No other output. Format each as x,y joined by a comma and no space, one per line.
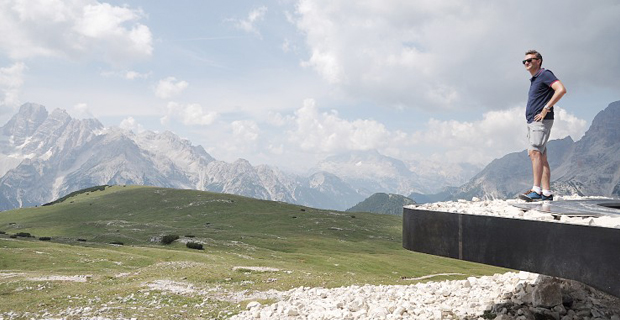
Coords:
370,172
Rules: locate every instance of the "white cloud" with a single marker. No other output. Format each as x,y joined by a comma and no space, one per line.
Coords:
249,24
326,132
456,54
566,124
190,114
126,74
80,29
132,75
245,130
11,82
131,124
495,135
81,111
169,87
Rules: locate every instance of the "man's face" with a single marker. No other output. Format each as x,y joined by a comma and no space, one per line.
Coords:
531,62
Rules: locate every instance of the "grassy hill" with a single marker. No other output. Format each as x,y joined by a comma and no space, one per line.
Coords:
383,203
296,246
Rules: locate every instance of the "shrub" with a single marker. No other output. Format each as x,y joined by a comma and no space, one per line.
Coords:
189,236
82,240
45,238
13,236
117,243
23,234
2,232
194,245
169,238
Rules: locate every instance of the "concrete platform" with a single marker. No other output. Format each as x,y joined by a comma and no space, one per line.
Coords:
574,208
587,254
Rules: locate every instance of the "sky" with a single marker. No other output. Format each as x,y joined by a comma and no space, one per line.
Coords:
290,82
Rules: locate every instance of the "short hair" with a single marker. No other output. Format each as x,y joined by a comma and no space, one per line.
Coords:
538,55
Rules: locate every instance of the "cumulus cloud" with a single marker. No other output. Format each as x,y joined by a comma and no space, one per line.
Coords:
131,124
245,130
79,29
11,82
495,135
189,114
566,124
169,87
249,24
326,132
456,54
132,75
81,111
126,74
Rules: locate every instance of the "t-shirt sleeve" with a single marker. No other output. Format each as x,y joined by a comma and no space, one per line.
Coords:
548,77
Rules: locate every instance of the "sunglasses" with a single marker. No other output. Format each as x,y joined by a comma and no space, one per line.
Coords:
529,60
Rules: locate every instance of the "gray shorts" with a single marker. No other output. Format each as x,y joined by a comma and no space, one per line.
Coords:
538,134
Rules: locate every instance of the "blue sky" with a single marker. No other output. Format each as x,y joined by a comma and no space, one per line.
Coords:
288,83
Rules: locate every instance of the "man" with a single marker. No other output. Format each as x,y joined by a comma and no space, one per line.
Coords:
545,91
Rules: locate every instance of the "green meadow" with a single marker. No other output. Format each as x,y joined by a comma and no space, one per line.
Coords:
105,257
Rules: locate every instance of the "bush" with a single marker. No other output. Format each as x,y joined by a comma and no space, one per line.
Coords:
169,238
2,232
45,238
117,243
194,245
13,236
190,236
81,240
23,234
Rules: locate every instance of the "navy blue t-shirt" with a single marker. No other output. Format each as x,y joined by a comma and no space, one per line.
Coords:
540,93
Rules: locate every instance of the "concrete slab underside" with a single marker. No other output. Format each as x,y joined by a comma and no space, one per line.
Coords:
583,253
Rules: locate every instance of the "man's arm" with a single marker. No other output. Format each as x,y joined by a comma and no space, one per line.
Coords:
560,90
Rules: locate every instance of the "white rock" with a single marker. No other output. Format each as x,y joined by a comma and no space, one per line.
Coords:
252,305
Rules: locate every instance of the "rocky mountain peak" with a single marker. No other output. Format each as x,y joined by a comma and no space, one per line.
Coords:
605,128
23,124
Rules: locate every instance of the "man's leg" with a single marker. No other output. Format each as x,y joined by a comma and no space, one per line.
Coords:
546,173
538,167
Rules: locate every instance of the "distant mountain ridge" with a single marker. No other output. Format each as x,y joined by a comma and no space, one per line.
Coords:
45,156
590,166
370,172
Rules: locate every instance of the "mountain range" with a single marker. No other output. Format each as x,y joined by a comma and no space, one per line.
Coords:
44,156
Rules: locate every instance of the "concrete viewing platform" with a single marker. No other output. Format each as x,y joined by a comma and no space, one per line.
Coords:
588,254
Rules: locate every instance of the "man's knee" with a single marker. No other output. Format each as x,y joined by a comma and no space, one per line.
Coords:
535,155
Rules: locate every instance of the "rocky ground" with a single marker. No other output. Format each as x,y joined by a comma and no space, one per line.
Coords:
510,296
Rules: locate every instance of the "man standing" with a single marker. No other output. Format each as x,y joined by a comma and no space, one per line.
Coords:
545,91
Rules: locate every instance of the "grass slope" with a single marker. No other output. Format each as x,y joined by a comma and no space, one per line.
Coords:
304,246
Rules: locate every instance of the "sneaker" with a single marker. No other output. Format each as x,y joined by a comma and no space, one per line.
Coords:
547,198
530,196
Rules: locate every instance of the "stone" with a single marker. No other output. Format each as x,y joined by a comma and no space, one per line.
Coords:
252,305
547,293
